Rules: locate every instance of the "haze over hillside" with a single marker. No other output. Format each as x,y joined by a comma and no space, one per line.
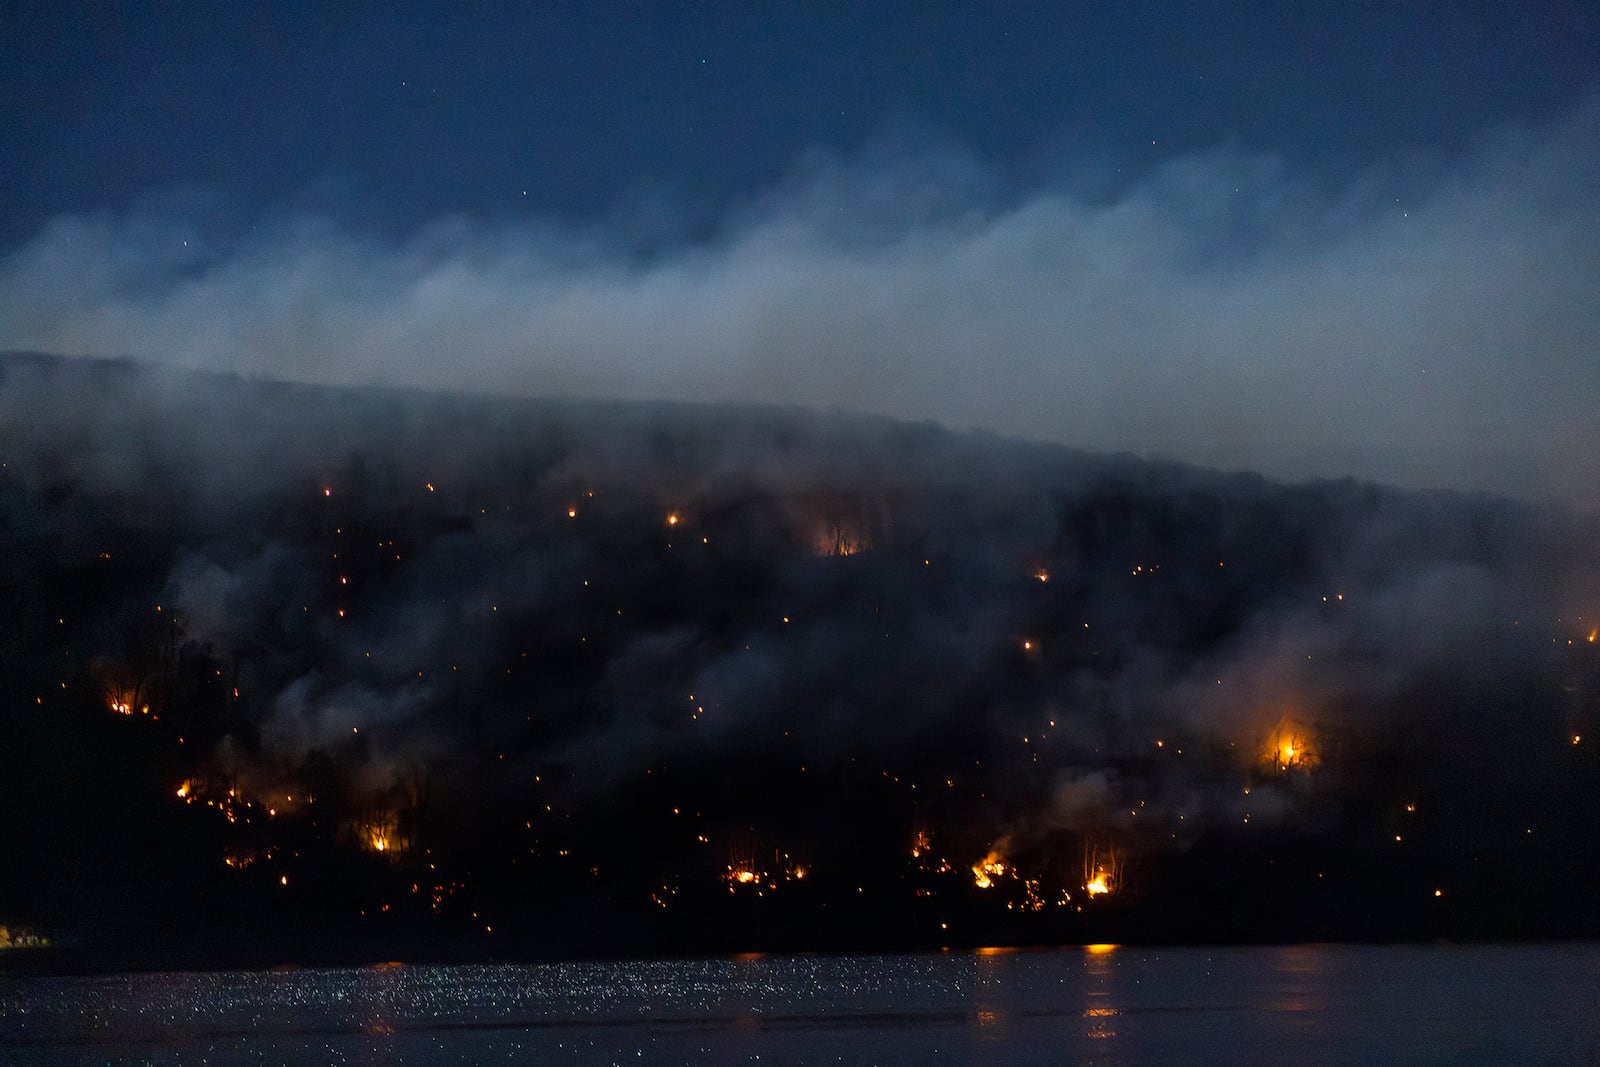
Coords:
1422,322
296,669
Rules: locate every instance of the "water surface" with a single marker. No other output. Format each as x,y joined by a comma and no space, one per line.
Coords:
1304,1005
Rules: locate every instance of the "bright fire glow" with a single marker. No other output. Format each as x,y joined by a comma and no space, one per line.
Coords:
672,518
741,873
121,703
988,869
1102,868
381,834
1289,747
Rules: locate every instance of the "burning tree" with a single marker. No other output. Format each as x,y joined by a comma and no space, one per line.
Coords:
1291,747
127,699
841,540
1102,867
379,832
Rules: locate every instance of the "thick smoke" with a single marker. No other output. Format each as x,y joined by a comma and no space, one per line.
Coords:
477,595
1429,324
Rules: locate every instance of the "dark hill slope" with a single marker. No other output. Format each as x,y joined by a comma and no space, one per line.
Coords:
296,673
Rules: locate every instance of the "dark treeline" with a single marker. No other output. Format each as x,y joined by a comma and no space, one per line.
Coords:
299,674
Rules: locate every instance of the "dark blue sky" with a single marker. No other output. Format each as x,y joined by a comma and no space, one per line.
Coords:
401,112
1311,239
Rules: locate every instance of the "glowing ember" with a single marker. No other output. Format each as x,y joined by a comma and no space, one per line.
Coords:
920,844
243,859
1042,576
1098,885
672,518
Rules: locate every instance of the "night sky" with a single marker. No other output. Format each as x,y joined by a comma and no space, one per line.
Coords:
1312,240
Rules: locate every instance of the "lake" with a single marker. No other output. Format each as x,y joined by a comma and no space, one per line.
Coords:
1305,1005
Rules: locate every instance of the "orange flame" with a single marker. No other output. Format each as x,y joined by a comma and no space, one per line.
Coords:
988,869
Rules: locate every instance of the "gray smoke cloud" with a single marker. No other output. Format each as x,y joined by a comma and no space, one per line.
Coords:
1429,324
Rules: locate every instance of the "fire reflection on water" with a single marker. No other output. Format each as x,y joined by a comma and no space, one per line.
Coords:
1301,971
1099,1011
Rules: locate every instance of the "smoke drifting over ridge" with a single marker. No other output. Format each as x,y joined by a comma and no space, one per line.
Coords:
1431,324
459,623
